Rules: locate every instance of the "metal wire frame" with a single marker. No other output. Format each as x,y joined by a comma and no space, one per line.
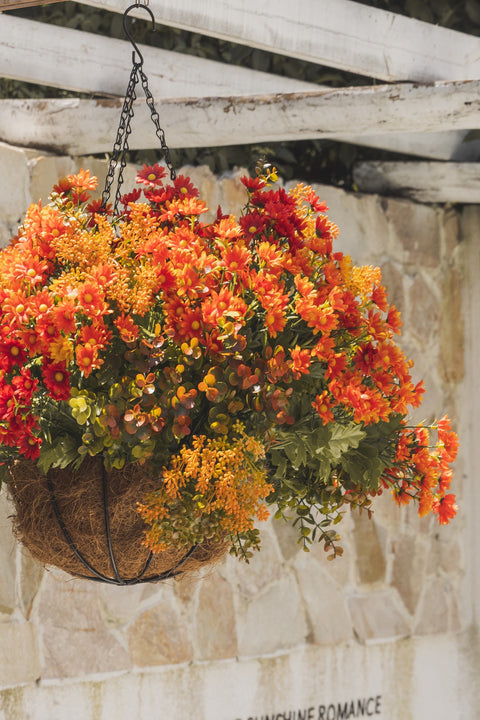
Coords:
98,576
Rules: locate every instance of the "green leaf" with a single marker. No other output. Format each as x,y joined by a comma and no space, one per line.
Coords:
343,438
364,466
62,453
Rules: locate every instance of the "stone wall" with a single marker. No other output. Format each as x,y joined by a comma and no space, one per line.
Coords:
386,631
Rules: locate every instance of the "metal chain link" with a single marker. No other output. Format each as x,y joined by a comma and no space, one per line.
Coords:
160,133
120,147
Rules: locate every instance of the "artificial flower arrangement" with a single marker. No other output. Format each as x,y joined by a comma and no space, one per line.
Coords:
238,364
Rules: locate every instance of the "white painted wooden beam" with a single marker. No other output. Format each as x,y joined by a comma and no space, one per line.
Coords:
82,126
337,33
455,145
15,4
85,62
72,62
432,182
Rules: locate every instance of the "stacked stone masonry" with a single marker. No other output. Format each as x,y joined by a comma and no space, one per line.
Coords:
400,589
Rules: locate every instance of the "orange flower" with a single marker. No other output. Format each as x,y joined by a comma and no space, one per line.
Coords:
301,360
445,508
129,331
448,439
86,358
323,404
91,299
222,304
64,316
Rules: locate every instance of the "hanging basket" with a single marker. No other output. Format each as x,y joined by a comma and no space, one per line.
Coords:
224,366
86,523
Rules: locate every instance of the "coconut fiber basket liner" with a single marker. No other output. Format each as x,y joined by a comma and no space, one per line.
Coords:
86,523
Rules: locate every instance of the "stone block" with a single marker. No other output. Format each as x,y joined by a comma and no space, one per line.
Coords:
378,616
363,227
451,231
186,588
233,195
160,636
263,568
324,601
45,172
74,639
7,231
414,232
424,310
387,513
370,555
16,192
393,280
31,575
438,609
446,553
19,654
452,333
287,538
119,606
272,621
215,626
409,568
7,558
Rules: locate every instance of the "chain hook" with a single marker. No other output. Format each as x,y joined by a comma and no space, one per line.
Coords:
127,31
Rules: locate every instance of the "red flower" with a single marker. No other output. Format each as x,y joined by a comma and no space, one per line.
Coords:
184,187
151,175
11,353
256,183
24,386
57,380
131,197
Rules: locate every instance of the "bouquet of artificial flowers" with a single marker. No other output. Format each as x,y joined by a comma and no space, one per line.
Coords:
240,363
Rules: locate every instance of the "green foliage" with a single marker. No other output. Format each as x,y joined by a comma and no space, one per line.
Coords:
309,463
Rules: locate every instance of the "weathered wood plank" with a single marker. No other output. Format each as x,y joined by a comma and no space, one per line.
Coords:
455,145
433,182
15,4
83,126
72,62
337,33
86,62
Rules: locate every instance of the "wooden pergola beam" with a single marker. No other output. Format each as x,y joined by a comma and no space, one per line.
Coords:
431,182
342,34
36,52
16,4
79,127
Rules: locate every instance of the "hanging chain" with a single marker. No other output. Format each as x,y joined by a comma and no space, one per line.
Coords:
160,133
120,147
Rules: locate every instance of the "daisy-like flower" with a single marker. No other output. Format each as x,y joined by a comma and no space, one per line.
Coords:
57,380
151,175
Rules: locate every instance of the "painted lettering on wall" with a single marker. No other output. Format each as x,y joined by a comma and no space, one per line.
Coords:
358,708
